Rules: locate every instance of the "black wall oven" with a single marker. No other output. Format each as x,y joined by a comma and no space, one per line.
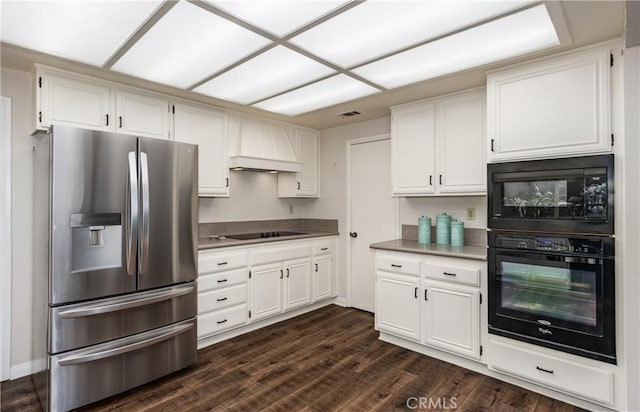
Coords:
551,254
573,195
555,291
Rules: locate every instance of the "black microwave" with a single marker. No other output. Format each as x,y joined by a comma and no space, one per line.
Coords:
568,195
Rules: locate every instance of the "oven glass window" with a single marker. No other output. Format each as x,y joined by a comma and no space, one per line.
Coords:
549,293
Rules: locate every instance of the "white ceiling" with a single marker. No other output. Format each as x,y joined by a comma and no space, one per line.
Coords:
307,59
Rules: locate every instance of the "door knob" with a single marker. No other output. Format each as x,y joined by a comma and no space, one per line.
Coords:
353,234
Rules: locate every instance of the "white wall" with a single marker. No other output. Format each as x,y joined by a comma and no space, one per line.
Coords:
18,86
456,206
254,196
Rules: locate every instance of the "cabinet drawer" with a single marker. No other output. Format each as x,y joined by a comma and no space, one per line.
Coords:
215,262
392,263
220,320
452,273
322,248
222,280
561,374
222,298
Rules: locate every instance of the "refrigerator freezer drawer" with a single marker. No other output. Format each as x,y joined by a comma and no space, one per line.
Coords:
87,375
79,325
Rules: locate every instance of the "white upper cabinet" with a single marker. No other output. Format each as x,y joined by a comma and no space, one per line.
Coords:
69,101
206,128
304,183
141,115
412,149
558,106
437,146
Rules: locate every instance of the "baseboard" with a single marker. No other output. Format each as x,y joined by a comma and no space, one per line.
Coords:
25,369
340,301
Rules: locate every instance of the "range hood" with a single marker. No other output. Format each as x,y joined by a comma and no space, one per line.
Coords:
262,146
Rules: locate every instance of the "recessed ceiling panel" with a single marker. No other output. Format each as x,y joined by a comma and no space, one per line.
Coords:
524,32
334,90
84,31
376,28
272,72
278,17
187,45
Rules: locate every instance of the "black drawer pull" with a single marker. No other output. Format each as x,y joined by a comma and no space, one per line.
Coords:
544,370
415,292
448,274
221,280
325,248
393,265
221,299
223,263
221,321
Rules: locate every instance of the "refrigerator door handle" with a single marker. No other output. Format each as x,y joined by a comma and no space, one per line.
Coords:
108,353
144,250
132,211
90,310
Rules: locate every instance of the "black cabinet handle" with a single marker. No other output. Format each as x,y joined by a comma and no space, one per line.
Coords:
298,185
107,116
430,180
415,293
120,121
221,280
281,274
448,274
221,321
441,180
353,234
425,294
221,299
223,263
544,370
227,184
316,267
393,265
492,140
324,248
287,272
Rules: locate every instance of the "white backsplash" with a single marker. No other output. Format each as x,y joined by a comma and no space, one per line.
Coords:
413,207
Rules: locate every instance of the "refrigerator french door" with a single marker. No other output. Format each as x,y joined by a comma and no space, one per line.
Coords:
115,262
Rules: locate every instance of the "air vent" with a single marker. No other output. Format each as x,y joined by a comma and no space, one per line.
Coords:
349,114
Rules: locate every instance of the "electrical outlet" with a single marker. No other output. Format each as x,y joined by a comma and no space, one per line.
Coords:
471,213
290,209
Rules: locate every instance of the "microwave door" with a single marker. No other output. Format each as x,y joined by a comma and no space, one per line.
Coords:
168,213
89,183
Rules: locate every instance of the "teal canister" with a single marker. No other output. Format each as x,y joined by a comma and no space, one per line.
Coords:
424,229
443,229
457,233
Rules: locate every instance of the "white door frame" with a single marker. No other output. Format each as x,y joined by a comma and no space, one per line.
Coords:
5,238
349,144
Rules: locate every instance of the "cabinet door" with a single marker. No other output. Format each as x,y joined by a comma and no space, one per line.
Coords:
451,318
460,143
266,291
322,277
412,149
398,305
553,107
305,182
207,129
73,102
142,115
297,283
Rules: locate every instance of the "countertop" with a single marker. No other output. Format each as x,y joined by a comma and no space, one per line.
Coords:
208,243
412,246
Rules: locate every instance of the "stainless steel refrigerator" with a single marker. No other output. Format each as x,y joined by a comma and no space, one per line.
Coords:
115,263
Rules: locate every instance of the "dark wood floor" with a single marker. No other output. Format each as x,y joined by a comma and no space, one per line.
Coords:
326,360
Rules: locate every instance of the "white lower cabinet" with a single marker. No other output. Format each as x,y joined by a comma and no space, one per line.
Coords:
266,290
322,277
297,283
398,305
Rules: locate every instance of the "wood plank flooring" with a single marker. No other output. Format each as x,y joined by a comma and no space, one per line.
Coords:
326,360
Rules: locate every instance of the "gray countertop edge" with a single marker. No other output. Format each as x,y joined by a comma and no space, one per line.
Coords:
474,252
206,244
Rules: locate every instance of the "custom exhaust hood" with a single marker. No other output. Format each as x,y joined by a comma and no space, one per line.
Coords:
261,146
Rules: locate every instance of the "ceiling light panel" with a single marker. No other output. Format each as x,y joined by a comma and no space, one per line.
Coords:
334,90
278,17
517,34
376,28
86,31
187,45
272,72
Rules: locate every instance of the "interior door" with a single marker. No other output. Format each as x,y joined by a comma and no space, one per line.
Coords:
168,217
373,215
90,176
